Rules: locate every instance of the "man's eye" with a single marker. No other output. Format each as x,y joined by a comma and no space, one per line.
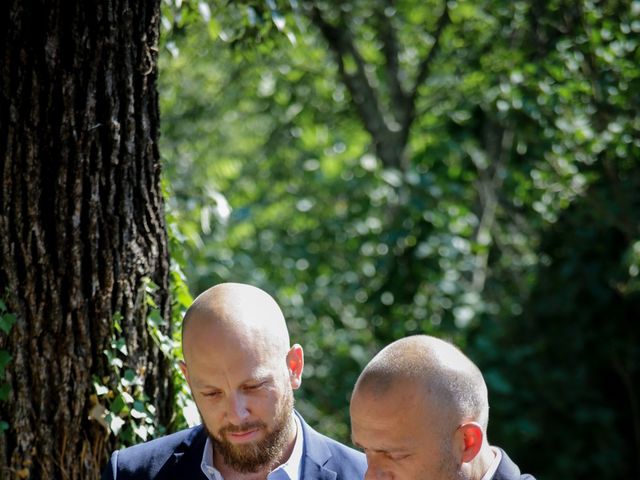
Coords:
211,394
253,387
397,456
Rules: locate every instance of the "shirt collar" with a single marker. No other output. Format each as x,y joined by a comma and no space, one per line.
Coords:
289,470
494,465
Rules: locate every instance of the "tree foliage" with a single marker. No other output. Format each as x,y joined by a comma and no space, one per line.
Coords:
467,169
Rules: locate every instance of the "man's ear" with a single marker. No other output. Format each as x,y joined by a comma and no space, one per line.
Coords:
470,437
295,364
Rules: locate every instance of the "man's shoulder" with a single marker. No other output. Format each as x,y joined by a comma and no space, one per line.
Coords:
150,457
167,443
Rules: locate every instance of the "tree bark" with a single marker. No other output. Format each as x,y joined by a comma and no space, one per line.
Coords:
81,222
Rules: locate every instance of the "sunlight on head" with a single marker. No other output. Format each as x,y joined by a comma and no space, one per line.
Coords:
444,372
240,312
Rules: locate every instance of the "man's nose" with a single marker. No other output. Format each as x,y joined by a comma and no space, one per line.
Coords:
238,409
376,472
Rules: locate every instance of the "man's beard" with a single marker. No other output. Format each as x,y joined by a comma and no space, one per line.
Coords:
250,457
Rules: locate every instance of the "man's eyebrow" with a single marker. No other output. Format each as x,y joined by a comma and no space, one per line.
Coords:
380,449
258,379
353,440
202,384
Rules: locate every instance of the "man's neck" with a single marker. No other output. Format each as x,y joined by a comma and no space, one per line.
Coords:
229,473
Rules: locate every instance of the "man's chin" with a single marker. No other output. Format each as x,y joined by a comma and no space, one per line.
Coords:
246,457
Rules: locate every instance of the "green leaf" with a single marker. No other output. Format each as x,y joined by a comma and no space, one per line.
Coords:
214,29
136,413
118,405
6,322
114,361
100,389
128,378
278,19
252,16
121,345
142,432
155,319
5,358
116,322
115,423
4,391
151,302
127,398
150,285
139,406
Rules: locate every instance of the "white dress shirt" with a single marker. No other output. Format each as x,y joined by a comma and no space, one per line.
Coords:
289,470
494,465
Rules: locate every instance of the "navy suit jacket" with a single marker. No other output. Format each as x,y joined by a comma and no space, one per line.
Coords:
178,456
507,470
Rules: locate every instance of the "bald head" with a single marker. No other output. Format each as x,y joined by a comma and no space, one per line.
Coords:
239,312
448,380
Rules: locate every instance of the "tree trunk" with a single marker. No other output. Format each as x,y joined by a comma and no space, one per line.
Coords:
81,223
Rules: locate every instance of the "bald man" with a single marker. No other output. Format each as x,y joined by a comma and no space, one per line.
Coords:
419,411
242,371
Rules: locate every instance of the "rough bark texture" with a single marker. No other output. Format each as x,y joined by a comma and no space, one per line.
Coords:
81,221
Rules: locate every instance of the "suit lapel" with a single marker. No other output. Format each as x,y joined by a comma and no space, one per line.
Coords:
315,455
186,459
313,471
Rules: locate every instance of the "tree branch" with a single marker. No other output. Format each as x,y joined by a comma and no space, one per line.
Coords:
424,69
363,94
498,144
391,50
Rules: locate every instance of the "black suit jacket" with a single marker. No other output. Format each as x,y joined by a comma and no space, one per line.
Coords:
178,456
507,470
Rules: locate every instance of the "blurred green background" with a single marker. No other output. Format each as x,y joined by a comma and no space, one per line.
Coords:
467,169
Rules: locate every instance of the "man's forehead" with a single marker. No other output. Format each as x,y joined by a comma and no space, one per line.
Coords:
396,392
246,333
217,379
232,354
204,332
236,363
396,408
